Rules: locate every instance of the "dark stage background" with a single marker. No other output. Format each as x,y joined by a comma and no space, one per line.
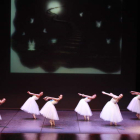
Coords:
13,86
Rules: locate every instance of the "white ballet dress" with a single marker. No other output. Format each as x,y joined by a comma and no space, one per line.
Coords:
134,105
49,110
30,106
111,111
0,117
83,108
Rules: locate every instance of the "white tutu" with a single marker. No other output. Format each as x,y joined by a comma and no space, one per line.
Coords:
111,112
83,108
49,111
30,106
0,117
134,105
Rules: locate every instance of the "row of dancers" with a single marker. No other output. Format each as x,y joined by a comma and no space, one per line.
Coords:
110,111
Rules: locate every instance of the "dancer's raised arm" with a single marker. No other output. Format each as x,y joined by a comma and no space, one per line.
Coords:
38,95
31,93
90,97
113,95
52,98
109,94
135,93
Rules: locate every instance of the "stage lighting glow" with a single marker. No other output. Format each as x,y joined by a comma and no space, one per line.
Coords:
56,5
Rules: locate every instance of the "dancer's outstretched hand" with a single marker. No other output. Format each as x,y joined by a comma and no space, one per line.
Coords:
103,92
80,94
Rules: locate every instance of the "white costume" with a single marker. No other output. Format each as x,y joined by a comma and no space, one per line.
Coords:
134,105
111,111
30,106
49,110
83,108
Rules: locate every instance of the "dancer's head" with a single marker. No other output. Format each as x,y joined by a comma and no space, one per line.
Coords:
60,96
120,96
94,96
41,93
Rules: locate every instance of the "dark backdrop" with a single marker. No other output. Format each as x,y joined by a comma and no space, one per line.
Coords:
14,86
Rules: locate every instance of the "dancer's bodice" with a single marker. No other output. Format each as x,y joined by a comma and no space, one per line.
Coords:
115,101
35,98
53,101
87,100
138,97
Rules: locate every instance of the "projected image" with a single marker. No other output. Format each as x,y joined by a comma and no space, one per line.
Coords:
66,36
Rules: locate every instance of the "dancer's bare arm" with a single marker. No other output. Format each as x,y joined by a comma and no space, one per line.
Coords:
109,94
89,97
135,93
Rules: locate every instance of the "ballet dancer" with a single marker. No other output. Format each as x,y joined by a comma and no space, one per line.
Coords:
134,105
1,102
83,108
111,111
49,111
30,106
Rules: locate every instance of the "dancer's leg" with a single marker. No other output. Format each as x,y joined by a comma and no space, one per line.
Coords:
34,116
85,118
138,116
51,122
115,124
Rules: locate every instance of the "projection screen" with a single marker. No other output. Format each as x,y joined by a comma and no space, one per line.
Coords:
66,36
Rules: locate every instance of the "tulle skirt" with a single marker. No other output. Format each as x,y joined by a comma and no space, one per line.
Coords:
83,108
111,112
30,106
49,111
134,105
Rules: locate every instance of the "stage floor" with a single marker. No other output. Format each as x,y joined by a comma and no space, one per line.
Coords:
17,124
